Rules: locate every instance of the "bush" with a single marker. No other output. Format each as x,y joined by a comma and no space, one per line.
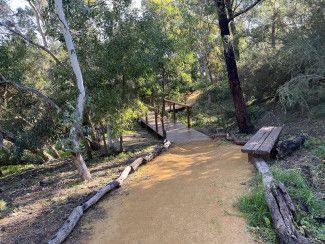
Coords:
303,91
215,107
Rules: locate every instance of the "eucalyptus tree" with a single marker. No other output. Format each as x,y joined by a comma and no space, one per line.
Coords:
76,129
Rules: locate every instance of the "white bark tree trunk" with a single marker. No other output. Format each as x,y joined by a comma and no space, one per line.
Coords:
38,22
76,128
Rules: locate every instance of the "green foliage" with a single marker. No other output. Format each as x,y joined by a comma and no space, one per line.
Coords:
15,169
214,106
289,60
318,111
317,146
255,209
300,192
304,91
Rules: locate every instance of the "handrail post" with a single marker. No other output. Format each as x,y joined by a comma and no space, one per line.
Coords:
188,117
156,121
146,118
174,113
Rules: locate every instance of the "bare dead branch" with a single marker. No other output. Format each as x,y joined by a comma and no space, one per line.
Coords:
38,22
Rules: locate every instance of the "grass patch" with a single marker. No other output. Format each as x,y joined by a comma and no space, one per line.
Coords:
317,146
13,169
254,207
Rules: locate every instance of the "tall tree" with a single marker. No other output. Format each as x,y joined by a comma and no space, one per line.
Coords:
76,129
231,64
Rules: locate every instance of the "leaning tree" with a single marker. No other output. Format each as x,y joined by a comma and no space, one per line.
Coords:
76,129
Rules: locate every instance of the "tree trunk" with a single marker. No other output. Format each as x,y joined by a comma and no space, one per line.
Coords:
44,155
282,209
104,140
75,130
88,148
231,64
121,143
162,120
91,129
229,6
273,26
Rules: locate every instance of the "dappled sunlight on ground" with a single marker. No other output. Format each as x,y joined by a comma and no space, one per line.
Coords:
40,199
185,195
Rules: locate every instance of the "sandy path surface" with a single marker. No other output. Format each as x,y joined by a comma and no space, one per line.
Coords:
184,196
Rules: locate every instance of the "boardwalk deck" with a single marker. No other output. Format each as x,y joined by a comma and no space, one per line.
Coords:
176,132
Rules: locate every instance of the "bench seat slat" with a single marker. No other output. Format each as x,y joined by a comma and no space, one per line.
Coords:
256,140
262,142
269,142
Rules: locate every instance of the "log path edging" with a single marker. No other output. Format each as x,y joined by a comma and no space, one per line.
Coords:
78,211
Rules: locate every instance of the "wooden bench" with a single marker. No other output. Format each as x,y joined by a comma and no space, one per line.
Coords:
262,143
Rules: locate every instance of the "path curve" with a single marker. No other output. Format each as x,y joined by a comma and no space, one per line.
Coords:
184,196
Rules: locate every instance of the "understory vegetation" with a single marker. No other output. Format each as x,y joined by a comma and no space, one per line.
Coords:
310,209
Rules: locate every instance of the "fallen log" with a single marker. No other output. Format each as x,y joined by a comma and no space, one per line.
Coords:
124,175
231,137
136,163
157,150
282,209
104,190
287,147
68,226
77,212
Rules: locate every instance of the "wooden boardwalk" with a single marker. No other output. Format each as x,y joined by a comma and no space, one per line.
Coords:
176,131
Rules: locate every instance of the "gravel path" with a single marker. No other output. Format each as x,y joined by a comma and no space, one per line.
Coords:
184,196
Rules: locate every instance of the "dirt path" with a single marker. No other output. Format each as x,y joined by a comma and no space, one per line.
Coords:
184,196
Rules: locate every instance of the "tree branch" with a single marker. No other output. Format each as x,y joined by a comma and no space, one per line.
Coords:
38,22
20,87
18,33
245,10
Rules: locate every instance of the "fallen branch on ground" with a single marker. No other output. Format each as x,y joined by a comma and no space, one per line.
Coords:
231,137
78,211
282,209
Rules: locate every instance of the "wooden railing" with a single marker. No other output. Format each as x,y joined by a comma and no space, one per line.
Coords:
156,117
173,108
182,106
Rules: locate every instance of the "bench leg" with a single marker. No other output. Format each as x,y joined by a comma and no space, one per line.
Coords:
250,156
265,157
